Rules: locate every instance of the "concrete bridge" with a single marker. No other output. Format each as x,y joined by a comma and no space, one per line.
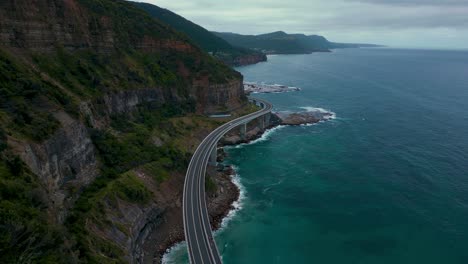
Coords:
263,121
200,243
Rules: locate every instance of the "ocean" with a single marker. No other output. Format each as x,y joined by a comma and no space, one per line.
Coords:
386,181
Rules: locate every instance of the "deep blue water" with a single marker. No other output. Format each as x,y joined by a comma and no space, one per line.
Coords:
385,182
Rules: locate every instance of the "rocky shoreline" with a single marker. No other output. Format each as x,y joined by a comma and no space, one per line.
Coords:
220,201
251,87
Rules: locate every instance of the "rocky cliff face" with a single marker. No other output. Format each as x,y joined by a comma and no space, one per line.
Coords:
214,97
81,63
44,25
81,25
99,111
65,163
248,59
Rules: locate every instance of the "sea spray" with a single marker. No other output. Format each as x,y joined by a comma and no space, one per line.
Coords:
236,205
174,254
177,253
329,114
264,137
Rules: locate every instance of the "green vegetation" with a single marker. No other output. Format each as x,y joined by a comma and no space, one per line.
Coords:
3,139
206,40
90,208
210,185
159,169
128,22
127,145
87,74
129,188
38,84
278,42
282,43
25,234
20,91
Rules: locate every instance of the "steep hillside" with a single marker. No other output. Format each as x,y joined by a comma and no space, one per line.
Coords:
208,41
277,42
90,100
282,43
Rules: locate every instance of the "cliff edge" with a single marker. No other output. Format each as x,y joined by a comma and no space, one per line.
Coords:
100,106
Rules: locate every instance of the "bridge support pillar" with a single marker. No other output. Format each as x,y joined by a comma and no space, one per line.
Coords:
214,156
261,122
243,131
267,119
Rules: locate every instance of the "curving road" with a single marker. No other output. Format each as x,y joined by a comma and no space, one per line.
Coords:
200,243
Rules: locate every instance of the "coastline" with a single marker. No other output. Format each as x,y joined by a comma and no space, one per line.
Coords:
222,204
226,200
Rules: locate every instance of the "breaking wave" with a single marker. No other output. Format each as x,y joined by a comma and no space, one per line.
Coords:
265,136
332,115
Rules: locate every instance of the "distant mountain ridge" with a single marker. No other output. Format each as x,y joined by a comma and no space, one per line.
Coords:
209,42
280,42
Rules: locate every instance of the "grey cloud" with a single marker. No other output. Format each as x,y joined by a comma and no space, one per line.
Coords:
378,21
417,2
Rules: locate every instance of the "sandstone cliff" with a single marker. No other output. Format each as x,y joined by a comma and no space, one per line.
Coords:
86,86
248,59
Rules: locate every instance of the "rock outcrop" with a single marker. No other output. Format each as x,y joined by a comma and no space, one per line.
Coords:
215,97
248,59
254,130
304,118
65,163
44,25
81,63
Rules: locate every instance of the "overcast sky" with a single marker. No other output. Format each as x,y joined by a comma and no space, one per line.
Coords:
399,23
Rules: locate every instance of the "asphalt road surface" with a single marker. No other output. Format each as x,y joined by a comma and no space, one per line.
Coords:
200,243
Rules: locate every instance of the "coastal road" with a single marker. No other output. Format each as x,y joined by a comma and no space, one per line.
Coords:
200,243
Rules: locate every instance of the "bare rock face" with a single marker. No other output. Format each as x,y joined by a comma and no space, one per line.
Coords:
99,111
42,25
303,118
46,25
65,163
298,119
136,222
248,59
218,97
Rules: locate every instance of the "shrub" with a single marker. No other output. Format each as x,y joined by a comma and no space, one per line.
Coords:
3,139
131,189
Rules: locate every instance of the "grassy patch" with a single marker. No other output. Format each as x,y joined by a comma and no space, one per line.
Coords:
129,188
91,208
159,170
210,185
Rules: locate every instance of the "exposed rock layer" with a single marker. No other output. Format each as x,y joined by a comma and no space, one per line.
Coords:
65,163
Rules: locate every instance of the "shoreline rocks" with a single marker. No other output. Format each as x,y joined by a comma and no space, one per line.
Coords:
220,202
304,118
251,87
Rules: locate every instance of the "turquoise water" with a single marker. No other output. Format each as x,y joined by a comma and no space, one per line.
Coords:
385,182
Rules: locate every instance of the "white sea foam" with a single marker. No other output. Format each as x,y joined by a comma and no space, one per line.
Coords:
265,136
332,115
168,258
237,205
